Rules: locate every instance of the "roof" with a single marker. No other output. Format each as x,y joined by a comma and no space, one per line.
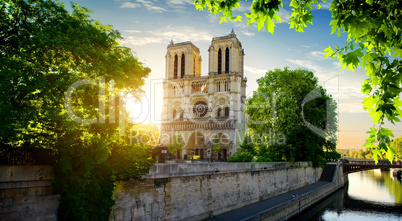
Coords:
182,43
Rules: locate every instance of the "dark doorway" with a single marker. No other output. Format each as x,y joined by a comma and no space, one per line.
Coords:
224,153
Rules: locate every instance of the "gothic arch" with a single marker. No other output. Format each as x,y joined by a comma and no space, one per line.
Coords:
219,61
221,101
176,61
219,112
183,65
196,145
227,60
176,106
227,112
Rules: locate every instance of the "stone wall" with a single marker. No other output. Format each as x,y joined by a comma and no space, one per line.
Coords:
199,191
169,192
26,193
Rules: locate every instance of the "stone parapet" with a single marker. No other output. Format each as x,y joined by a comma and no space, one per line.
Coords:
26,193
162,170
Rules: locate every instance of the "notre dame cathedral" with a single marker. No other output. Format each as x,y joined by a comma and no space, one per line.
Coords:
207,111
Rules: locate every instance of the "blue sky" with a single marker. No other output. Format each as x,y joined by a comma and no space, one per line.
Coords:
148,26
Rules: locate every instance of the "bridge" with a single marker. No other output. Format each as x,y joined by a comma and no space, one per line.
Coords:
351,166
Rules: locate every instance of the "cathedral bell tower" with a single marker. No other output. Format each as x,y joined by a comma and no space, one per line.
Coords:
226,55
182,60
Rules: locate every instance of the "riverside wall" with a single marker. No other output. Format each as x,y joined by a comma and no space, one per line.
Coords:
193,191
26,193
199,191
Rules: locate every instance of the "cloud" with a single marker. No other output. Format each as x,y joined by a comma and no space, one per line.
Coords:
183,33
129,5
351,106
132,31
142,3
317,55
150,7
243,8
253,70
284,14
347,94
248,33
325,5
141,41
179,3
308,65
178,34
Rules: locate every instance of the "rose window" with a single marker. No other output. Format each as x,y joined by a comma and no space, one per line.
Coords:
200,109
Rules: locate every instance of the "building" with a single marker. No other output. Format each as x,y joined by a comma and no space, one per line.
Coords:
205,110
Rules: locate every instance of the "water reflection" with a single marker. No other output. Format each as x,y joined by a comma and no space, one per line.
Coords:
370,195
375,186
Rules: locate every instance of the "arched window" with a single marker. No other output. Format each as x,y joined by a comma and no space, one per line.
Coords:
194,66
226,111
219,113
182,65
175,67
227,60
181,114
220,61
174,114
226,86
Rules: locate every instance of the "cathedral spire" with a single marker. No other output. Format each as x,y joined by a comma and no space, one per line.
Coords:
232,32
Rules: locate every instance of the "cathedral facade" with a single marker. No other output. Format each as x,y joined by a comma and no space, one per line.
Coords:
207,111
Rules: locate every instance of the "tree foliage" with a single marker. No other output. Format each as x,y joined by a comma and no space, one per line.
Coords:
43,51
332,156
245,153
397,146
373,42
282,119
176,145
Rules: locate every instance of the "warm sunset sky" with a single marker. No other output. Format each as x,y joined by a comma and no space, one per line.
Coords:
148,26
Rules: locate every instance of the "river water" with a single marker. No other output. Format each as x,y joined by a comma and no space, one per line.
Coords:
370,195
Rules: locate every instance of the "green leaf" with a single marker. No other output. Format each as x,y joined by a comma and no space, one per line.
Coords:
261,23
390,154
270,26
329,51
308,6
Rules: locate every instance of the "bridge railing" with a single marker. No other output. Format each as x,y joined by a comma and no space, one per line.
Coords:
355,166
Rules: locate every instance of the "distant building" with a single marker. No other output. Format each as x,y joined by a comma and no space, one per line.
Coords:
204,109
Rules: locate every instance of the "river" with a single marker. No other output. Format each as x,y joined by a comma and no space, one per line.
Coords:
370,195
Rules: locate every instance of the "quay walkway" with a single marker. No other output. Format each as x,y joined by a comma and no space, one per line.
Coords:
286,205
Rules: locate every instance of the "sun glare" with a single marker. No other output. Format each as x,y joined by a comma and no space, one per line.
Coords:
139,111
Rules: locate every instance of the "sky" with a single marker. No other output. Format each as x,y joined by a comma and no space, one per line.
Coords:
148,26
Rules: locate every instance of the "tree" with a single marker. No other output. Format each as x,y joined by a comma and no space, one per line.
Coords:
44,51
353,153
360,154
332,156
374,42
245,153
292,116
216,147
176,145
397,145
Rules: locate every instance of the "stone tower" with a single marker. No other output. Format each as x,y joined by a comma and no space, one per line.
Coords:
206,111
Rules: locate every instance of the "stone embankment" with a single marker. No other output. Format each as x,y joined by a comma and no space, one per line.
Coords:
194,191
